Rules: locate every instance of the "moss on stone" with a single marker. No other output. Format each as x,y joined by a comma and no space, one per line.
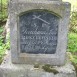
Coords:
36,66
1,59
49,68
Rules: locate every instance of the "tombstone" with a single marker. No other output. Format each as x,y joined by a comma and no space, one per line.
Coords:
38,35
39,31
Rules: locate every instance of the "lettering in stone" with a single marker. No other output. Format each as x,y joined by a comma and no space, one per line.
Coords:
38,32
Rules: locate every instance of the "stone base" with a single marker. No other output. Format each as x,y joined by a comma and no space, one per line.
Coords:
7,69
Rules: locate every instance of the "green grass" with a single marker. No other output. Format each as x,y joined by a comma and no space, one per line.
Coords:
3,46
72,47
72,42
3,18
3,11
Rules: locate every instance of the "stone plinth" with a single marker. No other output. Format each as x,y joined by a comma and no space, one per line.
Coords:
7,69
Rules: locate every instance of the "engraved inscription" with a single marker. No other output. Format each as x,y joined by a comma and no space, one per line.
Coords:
38,17
38,32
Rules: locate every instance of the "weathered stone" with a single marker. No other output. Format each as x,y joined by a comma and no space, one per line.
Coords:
58,9
7,69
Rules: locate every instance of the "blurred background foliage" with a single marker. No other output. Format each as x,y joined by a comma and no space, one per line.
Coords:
3,18
73,4
3,12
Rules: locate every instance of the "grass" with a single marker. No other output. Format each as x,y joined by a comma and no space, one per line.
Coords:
3,11
3,17
72,47
72,42
3,45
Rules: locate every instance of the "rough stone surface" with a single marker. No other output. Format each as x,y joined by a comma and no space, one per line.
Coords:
38,0
17,7
7,69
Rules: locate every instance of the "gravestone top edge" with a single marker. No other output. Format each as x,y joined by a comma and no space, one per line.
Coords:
40,10
35,0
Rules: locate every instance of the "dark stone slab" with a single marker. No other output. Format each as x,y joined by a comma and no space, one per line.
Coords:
38,32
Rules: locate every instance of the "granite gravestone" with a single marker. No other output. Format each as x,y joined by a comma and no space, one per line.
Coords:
39,31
